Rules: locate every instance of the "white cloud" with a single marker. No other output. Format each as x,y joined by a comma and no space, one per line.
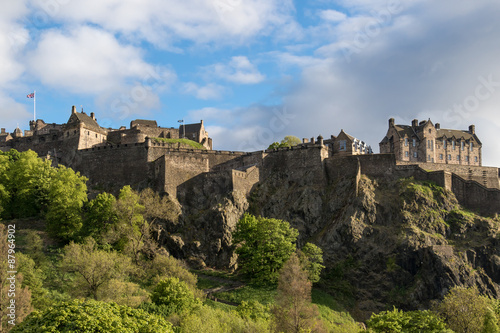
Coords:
332,15
164,22
86,60
207,92
238,70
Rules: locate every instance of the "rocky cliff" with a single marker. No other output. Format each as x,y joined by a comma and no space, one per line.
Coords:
386,241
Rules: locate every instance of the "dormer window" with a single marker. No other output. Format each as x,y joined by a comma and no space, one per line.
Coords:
453,144
343,145
444,143
414,142
406,142
462,145
471,146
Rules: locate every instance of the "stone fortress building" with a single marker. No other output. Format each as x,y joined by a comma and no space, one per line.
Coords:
147,155
426,142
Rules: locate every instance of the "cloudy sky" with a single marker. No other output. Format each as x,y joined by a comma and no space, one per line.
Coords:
255,70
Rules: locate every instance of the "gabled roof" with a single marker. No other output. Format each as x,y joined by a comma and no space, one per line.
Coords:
449,133
405,130
143,122
81,117
190,128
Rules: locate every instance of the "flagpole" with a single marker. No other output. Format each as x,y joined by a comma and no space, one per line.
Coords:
34,106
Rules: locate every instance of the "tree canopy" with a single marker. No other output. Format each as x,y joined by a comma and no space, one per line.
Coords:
288,141
264,245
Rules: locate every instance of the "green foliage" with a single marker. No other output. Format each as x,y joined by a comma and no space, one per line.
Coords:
396,321
207,319
163,266
176,295
288,141
100,215
92,317
264,246
311,258
187,142
93,267
254,310
33,278
464,309
67,194
490,324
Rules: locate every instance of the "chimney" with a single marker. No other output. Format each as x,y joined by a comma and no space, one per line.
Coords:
438,126
73,109
320,140
201,121
92,115
3,131
391,122
312,140
304,140
472,129
414,123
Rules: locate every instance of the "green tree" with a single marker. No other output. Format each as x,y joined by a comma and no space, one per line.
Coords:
27,180
93,317
175,295
93,267
311,258
464,309
288,141
396,321
100,216
490,324
294,311
264,245
67,194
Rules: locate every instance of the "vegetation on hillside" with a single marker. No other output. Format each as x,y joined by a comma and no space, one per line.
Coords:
96,265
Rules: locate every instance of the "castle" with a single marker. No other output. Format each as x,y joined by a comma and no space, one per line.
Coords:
146,155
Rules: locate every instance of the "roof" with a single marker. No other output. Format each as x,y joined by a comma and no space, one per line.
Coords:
449,133
81,117
405,129
190,128
143,122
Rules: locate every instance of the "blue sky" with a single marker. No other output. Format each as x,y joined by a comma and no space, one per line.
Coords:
255,70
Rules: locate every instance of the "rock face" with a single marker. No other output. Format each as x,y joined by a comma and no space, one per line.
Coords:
386,241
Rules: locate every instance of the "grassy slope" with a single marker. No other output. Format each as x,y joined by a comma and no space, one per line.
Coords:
188,142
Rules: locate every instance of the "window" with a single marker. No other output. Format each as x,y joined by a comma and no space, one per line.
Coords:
432,145
428,143
458,158
444,144
453,144
406,142
449,157
96,135
475,158
471,146
428,157
462,145
430,131
406,154
343,145
414,142
440,156
415,154
466,158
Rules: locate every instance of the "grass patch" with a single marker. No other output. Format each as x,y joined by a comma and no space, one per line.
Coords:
204,283
262,294
188,142
221,306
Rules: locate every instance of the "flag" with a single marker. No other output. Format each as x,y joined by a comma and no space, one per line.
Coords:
180,121
32,95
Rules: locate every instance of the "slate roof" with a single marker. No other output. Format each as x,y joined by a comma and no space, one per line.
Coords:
143,122
190,128
81,117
